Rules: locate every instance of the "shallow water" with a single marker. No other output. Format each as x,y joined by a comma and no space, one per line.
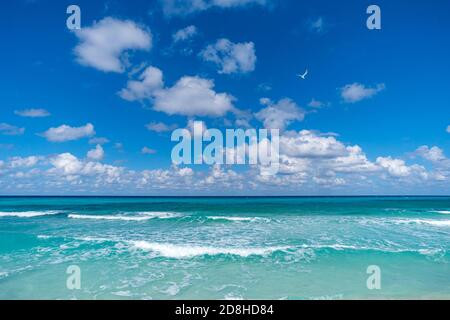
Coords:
225,248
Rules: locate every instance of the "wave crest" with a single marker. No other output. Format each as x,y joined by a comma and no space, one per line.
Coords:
177,251
28,214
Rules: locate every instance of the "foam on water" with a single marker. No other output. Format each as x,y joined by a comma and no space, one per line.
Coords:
183,251
108,217
437,223
28,214
239,219
442,211
140,216
160,214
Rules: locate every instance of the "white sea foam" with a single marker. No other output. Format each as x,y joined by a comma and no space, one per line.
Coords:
108,217
183,251
43,237
160,214
239,219
95,239
126,293
437,223
28,214
333,246
442,211
172,290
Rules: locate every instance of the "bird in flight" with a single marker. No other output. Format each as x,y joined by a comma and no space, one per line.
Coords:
303,76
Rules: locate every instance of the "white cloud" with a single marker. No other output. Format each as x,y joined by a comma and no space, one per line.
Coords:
19,162
184,34
231,57
185,7
437,157
160,127
354,161
149,81
32,113
433,154
448,129
318,104
190,96
10,130
356,92
102,46
67,163
147,150
98,140
193,96
307,144
395,167
279,115
96,154
68,166
67,133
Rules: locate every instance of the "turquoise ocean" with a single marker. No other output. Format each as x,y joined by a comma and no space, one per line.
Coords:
225,248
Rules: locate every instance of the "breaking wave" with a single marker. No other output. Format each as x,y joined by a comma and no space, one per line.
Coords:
141,216
179,251
28,214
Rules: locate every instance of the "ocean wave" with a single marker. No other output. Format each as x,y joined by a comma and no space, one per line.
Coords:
437,223
108,217
238,219
28,214
160,214
182,251
442,211
381,248
141,216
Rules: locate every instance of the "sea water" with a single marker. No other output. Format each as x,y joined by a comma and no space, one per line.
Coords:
224,248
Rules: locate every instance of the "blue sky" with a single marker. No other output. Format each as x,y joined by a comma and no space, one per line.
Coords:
372,116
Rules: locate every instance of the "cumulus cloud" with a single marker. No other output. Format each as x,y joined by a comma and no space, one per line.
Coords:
24,162
193,96
160,127
32,113
102,46
395,167
433,154
149,82
96,154
67,133
352,93
448,129
436,156
307,144
190,96
184,34
69,166
279,115
186,7
10,130
231,57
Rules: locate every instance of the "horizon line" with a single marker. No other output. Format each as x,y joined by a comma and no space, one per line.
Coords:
223,196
